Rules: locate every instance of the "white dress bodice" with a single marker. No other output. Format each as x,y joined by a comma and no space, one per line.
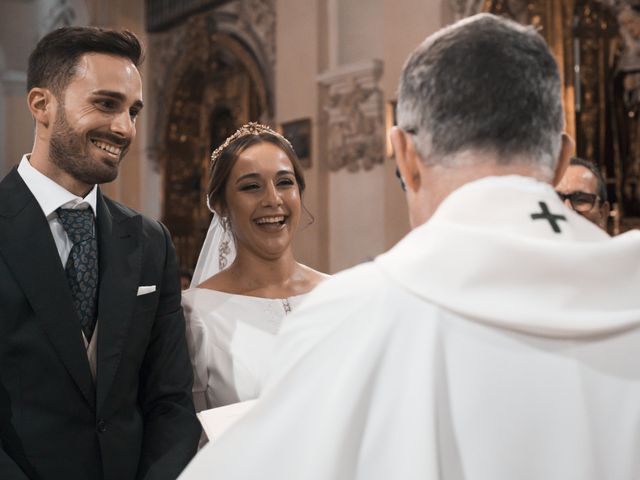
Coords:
231,340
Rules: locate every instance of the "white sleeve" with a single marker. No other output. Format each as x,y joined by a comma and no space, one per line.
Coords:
198,353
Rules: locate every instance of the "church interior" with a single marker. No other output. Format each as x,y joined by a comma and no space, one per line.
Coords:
325,74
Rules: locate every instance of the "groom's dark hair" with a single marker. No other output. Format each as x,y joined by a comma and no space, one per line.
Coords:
52,63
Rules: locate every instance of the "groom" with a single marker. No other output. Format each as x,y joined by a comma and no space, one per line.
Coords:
95,379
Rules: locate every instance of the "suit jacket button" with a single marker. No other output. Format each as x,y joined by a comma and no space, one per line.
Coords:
102,426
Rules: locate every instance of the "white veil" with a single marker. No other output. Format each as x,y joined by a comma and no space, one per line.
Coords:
217,253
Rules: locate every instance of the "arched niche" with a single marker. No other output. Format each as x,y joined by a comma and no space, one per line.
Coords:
216,85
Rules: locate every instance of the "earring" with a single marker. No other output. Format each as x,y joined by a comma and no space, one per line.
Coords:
223,249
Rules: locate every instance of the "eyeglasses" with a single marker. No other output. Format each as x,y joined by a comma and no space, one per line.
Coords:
581,202
402,184
410,131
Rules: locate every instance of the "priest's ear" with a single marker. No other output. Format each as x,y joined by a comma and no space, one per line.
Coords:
407,158
566,151
42,105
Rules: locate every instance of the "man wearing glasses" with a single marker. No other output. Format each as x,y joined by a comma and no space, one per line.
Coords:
583,189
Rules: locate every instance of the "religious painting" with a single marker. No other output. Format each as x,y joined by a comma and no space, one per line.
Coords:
298,132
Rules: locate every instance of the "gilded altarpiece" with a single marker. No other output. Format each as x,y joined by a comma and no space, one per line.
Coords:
597,46
211,81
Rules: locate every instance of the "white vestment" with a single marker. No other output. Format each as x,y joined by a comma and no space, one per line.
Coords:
484,346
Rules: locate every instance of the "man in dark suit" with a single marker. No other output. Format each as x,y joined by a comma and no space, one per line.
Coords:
95,379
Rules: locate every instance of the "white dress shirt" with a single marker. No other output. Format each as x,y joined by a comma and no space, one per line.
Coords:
51,196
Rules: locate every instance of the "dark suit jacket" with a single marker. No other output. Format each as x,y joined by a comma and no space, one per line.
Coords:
137,419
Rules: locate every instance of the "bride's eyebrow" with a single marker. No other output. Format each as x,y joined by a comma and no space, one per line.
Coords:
247,176
255,175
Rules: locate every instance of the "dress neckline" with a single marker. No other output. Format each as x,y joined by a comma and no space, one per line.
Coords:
219,292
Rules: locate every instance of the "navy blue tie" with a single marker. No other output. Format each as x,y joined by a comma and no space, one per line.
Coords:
82,265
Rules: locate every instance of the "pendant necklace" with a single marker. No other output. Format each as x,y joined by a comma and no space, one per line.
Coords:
286,305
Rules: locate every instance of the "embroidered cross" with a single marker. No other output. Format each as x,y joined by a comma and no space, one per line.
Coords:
552,218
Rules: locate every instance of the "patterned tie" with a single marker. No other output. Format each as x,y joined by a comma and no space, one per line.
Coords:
82,264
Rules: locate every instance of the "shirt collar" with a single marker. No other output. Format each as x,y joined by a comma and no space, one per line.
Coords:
49,194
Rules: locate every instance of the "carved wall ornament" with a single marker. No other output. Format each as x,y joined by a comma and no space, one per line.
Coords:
162,14
353,117
59,14
629,21
54,14
628,102
259,16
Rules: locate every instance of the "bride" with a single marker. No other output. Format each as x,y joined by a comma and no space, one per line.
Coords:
247,279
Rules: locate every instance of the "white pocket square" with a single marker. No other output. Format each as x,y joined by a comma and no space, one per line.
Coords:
144,289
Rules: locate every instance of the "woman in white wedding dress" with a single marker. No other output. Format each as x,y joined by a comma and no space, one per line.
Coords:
247,280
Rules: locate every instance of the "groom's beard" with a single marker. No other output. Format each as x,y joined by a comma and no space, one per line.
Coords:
74,153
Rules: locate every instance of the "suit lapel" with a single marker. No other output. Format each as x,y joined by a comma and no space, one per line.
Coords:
26,244
119,247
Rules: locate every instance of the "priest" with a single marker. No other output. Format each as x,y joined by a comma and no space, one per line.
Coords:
499,340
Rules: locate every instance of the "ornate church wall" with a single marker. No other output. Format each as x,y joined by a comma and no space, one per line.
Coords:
363,49
353,108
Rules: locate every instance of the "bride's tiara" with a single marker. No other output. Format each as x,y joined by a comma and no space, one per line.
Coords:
251,128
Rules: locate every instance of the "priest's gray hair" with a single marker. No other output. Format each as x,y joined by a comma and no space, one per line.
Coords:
483,84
